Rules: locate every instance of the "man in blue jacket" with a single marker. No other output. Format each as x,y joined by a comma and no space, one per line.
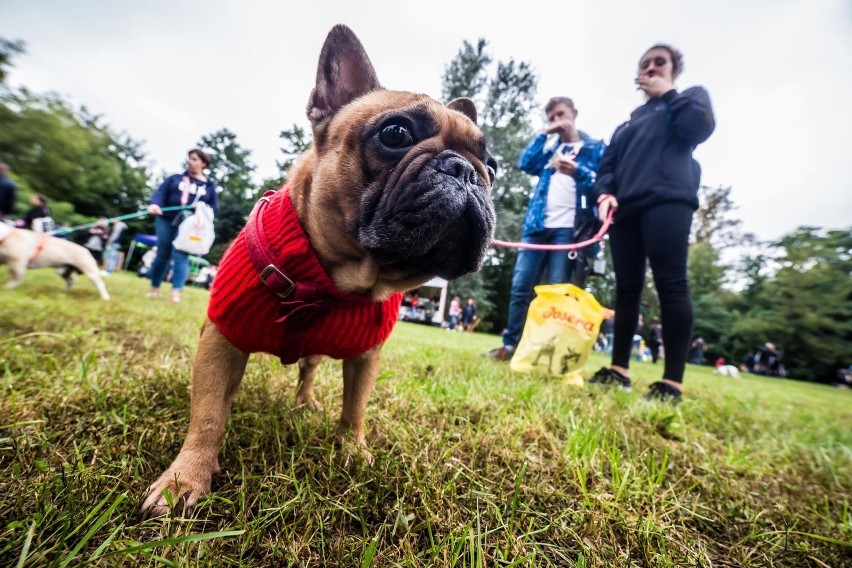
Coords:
565,161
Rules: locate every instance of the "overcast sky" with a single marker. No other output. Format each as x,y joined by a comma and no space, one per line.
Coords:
779,74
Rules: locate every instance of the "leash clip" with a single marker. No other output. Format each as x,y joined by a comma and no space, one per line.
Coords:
280,285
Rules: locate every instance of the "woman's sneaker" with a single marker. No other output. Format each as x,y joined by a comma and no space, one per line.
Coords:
607,377
664,392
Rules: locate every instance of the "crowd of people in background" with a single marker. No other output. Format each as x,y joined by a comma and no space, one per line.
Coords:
424,309
580,181
647,346
105,240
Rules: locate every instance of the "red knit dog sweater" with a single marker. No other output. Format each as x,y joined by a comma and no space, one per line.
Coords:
329,322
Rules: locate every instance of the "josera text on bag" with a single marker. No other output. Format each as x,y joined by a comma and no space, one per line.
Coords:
562,325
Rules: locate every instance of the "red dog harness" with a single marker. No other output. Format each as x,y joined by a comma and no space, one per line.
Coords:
271,294
39,245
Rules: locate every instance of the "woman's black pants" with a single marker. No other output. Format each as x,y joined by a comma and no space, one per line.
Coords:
660,234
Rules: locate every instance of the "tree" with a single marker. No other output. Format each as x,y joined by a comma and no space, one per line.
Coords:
8,50
232,171
706,275
296,141
806,308
466,75
72,157
713,222
505,100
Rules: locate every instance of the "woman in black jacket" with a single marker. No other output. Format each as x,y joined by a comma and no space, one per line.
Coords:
649,178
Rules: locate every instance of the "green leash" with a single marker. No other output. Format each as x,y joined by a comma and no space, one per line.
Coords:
142,213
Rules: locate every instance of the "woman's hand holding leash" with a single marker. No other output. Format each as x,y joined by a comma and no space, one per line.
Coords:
605,203
154,209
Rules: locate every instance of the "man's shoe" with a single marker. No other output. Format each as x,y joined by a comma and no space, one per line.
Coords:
501,353
607,377
664,392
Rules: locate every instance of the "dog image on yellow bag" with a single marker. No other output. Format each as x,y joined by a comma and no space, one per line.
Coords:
562,325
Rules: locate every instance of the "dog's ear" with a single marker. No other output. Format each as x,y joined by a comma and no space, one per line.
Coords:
344,73
465,106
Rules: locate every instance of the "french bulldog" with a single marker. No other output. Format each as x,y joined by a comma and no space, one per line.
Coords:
395,190
21,249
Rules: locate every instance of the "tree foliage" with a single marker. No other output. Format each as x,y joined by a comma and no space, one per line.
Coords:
70,156
706,275
8,50
295,142
714,222
806,308
505,99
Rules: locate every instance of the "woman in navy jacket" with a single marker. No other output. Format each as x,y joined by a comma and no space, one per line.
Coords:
649,178
178,189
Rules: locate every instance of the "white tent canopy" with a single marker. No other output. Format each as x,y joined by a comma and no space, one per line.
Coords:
440,283
434,293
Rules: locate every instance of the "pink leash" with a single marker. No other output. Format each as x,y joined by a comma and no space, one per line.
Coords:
572,247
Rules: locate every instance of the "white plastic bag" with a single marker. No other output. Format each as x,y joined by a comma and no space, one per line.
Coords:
43,224
195,233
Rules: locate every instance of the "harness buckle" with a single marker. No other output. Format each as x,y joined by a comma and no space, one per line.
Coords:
280,280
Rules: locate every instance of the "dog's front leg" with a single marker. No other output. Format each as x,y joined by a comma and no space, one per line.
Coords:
216,375
17,268
359,378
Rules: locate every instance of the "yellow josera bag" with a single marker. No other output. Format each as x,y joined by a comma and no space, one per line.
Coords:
562,325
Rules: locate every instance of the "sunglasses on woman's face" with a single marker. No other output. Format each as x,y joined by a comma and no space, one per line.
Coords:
658,61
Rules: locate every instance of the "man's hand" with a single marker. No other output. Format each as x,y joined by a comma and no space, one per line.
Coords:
605,203
564,126
565,166
154,209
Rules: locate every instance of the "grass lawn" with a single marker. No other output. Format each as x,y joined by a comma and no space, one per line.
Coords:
475,465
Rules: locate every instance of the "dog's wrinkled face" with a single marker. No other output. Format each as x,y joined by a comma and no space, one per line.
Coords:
393,176
425,179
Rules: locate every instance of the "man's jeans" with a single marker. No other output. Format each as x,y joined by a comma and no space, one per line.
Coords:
529,269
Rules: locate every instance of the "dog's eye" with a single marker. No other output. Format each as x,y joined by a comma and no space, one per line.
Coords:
395,136
491,166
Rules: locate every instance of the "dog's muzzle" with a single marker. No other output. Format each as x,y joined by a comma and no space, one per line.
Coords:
440,223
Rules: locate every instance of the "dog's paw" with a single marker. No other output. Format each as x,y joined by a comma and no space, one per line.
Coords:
351,451
309,402
178,488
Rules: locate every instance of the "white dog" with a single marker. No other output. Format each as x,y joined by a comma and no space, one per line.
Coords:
21,249
727,371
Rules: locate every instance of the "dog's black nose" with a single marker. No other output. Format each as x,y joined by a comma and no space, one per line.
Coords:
452,164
